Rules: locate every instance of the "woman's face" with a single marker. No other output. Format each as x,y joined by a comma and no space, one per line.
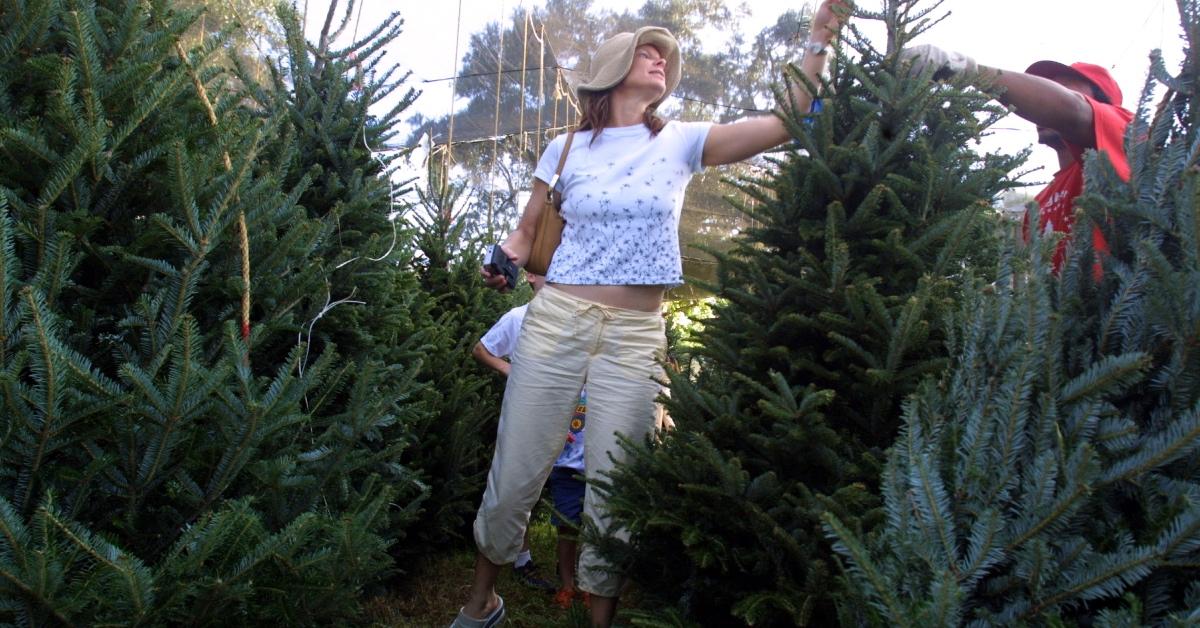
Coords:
649,71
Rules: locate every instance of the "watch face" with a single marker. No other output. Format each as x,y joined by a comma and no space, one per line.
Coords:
814,48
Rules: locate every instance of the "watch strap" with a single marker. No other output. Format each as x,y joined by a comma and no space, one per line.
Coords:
812,47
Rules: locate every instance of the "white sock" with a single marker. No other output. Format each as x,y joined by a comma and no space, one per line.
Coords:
523,559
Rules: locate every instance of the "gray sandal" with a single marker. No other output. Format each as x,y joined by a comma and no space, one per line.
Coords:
494,619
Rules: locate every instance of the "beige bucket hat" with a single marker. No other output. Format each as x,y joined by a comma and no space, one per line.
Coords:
612,60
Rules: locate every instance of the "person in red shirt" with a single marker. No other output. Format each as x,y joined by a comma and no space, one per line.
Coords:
1075,107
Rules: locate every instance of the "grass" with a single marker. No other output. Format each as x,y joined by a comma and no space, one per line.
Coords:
437,589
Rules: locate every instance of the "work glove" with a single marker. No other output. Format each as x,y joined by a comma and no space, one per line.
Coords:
945,63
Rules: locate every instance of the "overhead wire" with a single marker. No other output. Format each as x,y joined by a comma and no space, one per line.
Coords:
489,73
357,20
1160,6
524,61
560,68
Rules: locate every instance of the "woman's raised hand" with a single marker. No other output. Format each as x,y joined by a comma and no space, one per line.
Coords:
829,18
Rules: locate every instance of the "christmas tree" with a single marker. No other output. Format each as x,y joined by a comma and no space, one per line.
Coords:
463,396
830,313
399,287
183,439
1051,476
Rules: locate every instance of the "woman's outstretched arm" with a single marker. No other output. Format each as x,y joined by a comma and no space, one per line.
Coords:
735,141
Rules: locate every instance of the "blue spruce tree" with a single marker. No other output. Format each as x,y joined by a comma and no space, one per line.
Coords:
1051,477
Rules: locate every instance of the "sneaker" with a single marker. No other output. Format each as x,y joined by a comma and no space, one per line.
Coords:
528,576
491,621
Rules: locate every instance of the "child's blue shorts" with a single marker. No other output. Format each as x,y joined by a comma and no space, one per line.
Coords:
566,489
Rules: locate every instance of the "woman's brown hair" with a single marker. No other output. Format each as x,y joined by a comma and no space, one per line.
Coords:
598,106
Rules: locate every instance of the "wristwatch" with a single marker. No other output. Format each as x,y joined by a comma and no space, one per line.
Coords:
812,47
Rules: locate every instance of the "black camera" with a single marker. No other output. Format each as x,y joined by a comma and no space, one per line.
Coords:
499,264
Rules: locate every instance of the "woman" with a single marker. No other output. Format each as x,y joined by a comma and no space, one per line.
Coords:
597,319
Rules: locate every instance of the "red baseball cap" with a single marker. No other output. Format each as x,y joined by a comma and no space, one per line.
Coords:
1094,74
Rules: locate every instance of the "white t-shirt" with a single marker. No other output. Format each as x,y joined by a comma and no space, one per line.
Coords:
501,341
622,198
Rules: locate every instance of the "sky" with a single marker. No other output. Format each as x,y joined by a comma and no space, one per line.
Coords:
1009,34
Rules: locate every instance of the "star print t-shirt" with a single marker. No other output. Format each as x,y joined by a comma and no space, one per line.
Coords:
572,454
1057,200
622,198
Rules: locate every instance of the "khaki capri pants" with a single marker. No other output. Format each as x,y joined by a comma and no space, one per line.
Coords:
566,342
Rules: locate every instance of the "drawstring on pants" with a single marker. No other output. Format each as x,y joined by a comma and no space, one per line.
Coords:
587,306
606,316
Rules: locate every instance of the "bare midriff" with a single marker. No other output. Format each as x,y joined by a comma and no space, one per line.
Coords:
643,298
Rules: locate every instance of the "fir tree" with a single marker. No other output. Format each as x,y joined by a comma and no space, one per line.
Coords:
1051,476
464,397
830,314
409,276
158,464
354,289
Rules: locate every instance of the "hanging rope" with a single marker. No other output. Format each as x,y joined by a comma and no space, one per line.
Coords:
561,95
557,99
243,234
495,129
524,64
450,131
541,83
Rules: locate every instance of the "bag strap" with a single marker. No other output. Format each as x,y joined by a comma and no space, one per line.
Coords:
562,160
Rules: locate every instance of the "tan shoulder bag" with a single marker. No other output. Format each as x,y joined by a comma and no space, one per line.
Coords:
550,223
